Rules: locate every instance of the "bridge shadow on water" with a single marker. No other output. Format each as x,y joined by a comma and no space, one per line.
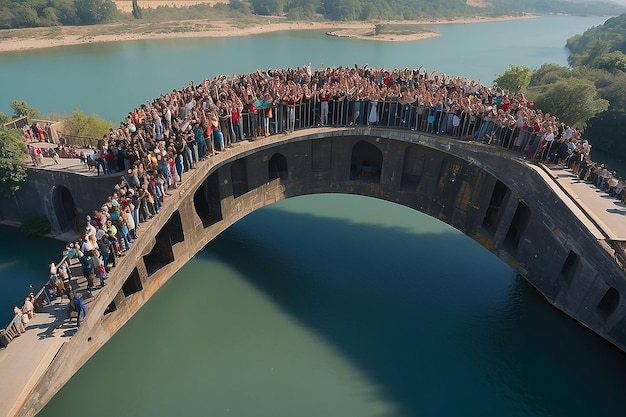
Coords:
361,289
431,320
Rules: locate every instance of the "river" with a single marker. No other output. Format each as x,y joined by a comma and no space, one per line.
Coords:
328,305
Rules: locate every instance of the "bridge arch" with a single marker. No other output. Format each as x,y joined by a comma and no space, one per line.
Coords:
493,196
63,206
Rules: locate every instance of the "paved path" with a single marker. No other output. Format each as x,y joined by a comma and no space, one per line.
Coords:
608,213
65,164
26,358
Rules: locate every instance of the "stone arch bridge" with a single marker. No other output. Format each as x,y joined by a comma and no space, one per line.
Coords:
508,205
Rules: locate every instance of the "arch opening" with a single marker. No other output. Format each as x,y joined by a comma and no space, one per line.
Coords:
518,226
239,177
206,201
609,302
412,168
132,284
492,215
366,163
63,206
277,167
570,266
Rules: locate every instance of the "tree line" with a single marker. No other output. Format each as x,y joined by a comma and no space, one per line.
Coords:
591,93
42,13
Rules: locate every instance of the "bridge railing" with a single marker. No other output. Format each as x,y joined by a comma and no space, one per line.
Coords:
81,141
390,113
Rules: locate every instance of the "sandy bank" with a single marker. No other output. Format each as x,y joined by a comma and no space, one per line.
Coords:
37,38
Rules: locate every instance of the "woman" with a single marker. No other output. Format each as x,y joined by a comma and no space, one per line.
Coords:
217,134
19,324
127,216
28,309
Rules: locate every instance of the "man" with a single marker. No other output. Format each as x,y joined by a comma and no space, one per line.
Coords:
79,308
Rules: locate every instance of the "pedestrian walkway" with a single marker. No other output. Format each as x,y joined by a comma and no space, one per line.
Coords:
73,165
608,213
26,358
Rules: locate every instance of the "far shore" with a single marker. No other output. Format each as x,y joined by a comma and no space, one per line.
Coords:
39,38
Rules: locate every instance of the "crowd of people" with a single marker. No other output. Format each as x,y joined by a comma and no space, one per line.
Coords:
170,134
161,140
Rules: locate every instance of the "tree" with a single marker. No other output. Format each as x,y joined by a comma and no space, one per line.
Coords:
79,124
548,74
612,62
267,7
342,9
516,79
91,12
136,10
12,165
614,90
587,57
573,100
21,108
66,11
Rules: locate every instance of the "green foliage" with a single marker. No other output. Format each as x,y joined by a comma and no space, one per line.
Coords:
4,118
267,7
20,108
91,12
136,10
598,57
611,33
574,101
516,79
342,9
12,166
79,124
35,225
35,13
612,62
588,56
548,73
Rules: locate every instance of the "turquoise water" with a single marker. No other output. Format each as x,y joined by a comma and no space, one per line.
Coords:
326,305
23,262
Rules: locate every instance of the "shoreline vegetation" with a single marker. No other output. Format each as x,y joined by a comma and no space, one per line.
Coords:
389,31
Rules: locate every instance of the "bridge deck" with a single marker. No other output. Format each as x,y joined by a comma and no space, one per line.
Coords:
26,358
606,212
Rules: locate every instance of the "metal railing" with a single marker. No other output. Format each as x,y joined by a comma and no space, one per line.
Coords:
391,113
81,141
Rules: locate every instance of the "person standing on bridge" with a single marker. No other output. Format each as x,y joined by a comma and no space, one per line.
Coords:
19,322
79,307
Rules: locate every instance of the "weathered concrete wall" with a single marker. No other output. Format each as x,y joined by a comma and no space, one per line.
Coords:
485,192
41,195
